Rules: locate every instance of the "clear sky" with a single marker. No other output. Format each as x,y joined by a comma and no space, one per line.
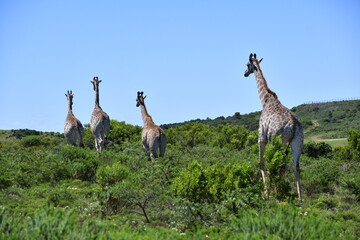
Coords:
188,56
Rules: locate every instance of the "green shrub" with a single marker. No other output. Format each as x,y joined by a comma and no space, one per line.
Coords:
47,223
121,132
198,183
189,135
234,137
35,141
221,136
141,190
88,138
354,140
109,175
83,163
286,222
277,159
353,185
61,197
321,176
352,150
316,150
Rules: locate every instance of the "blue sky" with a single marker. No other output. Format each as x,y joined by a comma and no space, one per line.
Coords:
188,57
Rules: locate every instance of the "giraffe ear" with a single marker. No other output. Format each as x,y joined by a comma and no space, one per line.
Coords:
260,60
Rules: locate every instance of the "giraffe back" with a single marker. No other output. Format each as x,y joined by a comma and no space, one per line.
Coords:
73,130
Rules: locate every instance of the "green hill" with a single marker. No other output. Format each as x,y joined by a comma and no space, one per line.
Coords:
328,120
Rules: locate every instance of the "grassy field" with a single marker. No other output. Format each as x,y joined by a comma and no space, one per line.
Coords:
208,185
337,142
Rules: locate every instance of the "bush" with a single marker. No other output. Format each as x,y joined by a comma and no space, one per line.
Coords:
125,190
285,222
354,140
352,150
316,150
353,185
212,184
221,136
321,177
35,141
109,175
189,135
83,163
234,137
277,160
121,132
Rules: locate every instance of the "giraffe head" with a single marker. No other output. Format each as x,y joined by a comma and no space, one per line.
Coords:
95,83
252,65
69,95
140,99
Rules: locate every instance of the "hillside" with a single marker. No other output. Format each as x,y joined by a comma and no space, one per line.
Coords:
328,120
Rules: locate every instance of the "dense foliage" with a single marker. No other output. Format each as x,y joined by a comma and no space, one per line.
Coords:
320,120
207,186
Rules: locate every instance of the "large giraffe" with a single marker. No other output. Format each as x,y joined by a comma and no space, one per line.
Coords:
153,137
100,121
73,129
275,120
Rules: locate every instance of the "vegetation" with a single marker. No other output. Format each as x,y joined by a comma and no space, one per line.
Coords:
208,186
328,120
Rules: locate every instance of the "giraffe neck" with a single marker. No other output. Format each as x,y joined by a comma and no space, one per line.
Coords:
70,107
265,94
147,119
97,104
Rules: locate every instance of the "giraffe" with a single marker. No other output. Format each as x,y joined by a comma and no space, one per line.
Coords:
275,120
73,129
100,121
153,137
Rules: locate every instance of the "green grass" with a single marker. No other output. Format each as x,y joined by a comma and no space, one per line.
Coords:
208,186
339,142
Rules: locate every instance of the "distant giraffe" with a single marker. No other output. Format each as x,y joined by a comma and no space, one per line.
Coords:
73,129
153,137
100,121
275,120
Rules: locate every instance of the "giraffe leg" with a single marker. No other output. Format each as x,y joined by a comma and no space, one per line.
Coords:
162,145
81,143
154,146
96,144
262,146
297,177
296,151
